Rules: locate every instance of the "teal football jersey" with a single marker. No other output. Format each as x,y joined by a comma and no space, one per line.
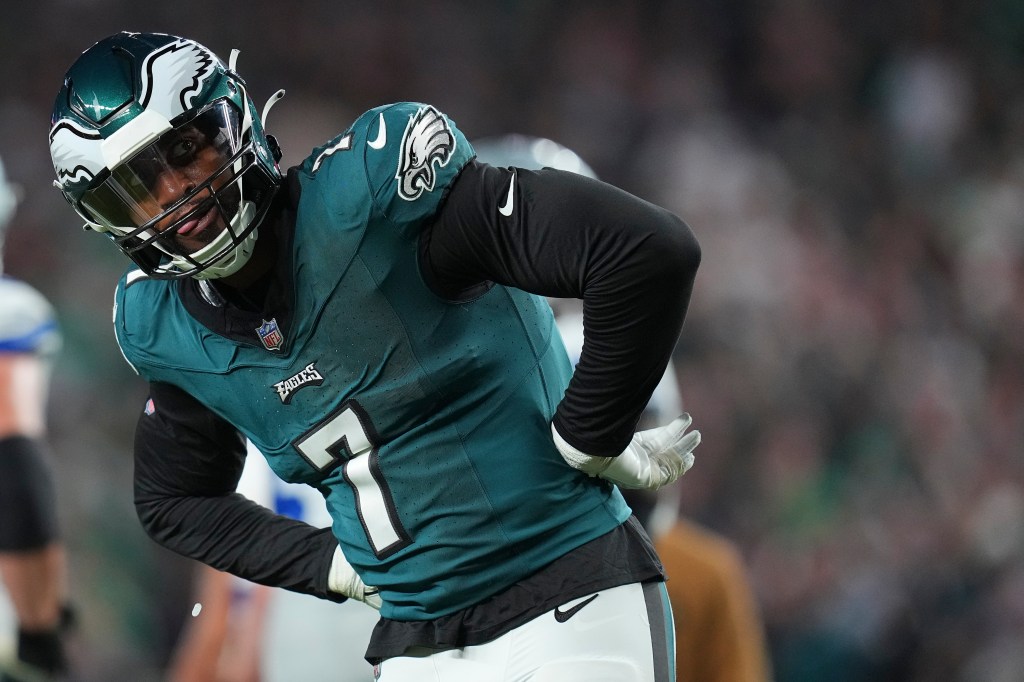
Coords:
423,422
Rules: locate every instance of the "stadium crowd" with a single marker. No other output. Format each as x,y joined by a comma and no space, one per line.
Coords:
854,352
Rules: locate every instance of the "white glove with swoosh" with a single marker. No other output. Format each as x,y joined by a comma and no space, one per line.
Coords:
343,579
653,458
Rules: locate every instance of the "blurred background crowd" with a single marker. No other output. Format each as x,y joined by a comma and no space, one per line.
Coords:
854,352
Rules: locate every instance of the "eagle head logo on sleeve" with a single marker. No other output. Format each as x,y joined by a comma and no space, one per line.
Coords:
428,140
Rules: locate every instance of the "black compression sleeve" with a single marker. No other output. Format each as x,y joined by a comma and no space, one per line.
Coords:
187,464
568,236
28,502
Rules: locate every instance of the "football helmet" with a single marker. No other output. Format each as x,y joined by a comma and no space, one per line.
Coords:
157,144
532,153
8,201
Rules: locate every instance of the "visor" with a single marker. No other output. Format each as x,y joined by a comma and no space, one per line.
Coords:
176,174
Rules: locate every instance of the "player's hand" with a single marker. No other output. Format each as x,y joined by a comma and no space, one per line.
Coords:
343,579
653,458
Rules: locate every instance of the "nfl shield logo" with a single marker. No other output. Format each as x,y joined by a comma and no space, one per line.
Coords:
270,335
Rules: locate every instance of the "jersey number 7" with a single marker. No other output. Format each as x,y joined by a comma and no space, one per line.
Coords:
345,434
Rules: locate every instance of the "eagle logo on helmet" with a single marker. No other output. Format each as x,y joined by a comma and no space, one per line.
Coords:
428,140
170,80
74,150
174,75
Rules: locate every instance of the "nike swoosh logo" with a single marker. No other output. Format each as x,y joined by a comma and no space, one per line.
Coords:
506,210
382,135
562,616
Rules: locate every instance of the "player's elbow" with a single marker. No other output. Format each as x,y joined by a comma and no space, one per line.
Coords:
675,253
152,512
147,513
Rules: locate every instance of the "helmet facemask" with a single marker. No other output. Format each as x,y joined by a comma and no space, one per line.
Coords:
184,205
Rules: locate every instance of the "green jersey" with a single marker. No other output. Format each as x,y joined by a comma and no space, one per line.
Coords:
423,422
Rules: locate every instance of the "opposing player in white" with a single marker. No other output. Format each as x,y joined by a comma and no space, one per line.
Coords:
32,556
719,630
244,631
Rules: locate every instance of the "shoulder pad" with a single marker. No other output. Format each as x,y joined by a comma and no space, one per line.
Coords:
406,155
136,297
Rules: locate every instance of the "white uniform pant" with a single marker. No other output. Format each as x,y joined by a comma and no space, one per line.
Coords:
624,634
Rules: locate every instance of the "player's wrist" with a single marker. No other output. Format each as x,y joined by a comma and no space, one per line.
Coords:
589,464
652,459
631,469
343,579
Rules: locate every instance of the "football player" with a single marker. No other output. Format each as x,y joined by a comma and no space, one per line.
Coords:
32,557
374,322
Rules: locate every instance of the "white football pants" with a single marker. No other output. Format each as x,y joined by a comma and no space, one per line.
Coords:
624,634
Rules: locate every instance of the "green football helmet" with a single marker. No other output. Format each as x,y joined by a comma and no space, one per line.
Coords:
157,144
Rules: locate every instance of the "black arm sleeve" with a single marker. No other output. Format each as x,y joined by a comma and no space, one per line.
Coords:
187,464
569,236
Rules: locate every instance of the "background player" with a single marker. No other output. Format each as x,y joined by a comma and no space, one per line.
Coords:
32,556
720,634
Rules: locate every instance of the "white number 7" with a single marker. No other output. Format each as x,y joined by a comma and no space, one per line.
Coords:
345,435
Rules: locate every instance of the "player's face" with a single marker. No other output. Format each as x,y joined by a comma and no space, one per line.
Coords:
190,160
179,191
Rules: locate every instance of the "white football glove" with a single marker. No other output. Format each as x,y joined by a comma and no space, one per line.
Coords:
344,580
653,458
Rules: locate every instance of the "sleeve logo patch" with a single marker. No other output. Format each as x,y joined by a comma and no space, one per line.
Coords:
427,144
